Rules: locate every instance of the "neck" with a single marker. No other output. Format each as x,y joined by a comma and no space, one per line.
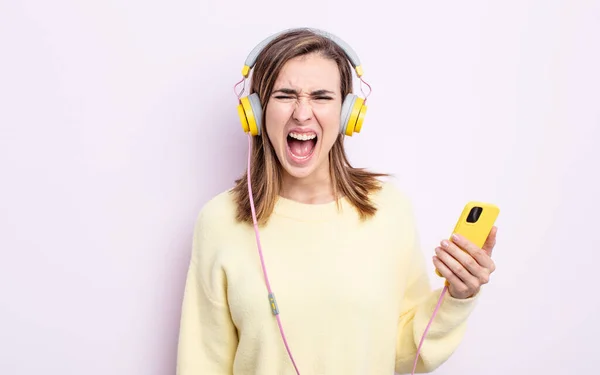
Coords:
314,189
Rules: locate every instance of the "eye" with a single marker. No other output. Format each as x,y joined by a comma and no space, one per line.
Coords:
284,97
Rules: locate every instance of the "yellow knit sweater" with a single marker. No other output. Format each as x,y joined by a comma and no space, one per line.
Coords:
354,296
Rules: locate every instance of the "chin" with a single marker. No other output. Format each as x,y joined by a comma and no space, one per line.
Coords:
299,172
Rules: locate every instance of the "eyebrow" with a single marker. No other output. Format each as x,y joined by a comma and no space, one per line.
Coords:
295,92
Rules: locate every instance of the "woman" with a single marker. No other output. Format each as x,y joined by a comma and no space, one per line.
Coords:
339,244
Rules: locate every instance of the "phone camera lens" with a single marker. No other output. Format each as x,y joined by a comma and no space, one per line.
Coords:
474,214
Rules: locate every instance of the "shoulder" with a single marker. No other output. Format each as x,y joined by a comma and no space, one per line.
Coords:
391,197
220,206
217,214
214,229
394,205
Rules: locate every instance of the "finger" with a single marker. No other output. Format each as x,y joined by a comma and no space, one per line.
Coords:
451,278
490,241
456,268
478,254
482,274
463,257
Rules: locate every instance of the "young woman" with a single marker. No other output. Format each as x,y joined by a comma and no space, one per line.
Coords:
336,245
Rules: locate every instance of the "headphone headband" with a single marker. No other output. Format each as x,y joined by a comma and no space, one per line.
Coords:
350,54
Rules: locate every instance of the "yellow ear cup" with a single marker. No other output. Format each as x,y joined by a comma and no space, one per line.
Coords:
356,117
248,119
361,118
243,118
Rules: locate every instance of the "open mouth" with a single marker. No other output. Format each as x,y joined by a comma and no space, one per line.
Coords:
301,145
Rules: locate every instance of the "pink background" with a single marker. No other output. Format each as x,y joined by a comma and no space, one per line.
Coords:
118,121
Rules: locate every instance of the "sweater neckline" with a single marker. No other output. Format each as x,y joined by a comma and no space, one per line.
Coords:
310,211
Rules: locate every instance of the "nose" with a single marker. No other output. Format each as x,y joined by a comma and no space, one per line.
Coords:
303,111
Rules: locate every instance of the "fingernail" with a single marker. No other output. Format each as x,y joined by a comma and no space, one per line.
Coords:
445,243
455,236
437,250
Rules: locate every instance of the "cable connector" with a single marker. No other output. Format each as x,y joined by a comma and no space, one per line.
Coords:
273,304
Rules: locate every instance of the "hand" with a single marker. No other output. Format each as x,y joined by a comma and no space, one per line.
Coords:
465,266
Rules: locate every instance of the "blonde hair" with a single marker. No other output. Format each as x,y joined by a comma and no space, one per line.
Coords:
356,184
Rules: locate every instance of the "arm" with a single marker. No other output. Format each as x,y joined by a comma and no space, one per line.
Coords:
444,335
207,337
418,303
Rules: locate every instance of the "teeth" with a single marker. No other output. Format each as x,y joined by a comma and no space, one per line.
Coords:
303,136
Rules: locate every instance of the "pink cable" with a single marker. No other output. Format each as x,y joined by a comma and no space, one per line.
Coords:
262,261
427,329
271,294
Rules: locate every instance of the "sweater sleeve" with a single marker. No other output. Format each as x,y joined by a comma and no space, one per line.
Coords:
418,303
207,337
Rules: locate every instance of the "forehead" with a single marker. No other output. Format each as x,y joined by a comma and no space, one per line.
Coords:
309,72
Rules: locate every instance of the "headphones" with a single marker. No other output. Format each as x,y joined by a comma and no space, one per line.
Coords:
353,107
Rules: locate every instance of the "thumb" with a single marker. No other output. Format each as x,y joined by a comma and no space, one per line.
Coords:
490,242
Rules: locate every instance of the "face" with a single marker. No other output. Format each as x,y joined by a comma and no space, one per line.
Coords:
303,116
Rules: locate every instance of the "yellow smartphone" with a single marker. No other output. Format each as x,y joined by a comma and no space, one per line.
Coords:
475,223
